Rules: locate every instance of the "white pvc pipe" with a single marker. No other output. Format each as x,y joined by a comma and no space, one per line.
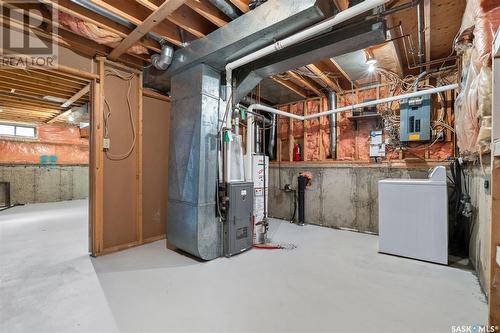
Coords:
319,28
298,37
419,93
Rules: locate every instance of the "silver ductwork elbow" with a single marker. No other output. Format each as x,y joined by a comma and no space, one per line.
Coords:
226,8
164,59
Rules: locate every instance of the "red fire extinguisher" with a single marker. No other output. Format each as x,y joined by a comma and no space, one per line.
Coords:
296,152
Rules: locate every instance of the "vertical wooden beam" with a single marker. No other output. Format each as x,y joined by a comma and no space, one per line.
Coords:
139,152
427,30
97,169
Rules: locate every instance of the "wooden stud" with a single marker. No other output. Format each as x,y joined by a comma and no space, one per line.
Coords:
139,153
98,159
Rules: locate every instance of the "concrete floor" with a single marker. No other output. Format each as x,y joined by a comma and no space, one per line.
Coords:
334,281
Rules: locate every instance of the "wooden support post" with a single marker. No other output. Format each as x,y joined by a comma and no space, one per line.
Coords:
139,157
97,162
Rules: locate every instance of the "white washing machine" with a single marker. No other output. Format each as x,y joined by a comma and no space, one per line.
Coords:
413,217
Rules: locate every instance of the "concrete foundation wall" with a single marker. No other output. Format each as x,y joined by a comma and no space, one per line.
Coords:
341,195
479,246
38,184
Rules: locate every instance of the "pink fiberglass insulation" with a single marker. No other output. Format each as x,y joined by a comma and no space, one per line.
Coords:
52,140
312,131
298,125
93,32
474,102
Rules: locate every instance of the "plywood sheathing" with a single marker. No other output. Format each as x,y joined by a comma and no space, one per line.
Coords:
156,124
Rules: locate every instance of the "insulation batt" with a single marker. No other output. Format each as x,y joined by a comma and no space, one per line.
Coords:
473,105
93,32
63,142
352,144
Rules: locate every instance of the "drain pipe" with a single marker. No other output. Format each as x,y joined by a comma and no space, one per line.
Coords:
419,93
332,103
226,8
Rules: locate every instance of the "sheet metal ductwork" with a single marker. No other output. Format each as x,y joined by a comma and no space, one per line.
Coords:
164,59
271,21
192,222
349,38
195,76
227,8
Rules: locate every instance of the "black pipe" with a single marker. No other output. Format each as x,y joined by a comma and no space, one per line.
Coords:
302,180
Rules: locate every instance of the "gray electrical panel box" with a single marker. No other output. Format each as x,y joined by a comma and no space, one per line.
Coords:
238,227
416,119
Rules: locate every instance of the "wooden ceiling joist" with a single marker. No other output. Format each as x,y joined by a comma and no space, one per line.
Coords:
84,91
68,7
241,4
58,117
39,79
291,86
309,85
136,14
167,8
323,77
208,11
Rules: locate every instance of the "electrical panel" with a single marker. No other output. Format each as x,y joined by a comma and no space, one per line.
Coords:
416,119
238,227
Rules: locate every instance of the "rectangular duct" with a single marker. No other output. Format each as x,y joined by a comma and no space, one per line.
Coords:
192,222
355,36
260,27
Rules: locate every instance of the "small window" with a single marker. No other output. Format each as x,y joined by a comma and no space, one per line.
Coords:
17,131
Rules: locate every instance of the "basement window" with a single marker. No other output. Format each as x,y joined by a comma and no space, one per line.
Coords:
21,131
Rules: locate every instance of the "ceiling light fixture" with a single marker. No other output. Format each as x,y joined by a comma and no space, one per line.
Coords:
370,60
54,99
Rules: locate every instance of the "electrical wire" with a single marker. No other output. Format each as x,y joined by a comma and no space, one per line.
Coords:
107,116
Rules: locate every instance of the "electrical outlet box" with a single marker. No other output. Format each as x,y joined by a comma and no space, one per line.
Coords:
106,143
377,145
415,116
